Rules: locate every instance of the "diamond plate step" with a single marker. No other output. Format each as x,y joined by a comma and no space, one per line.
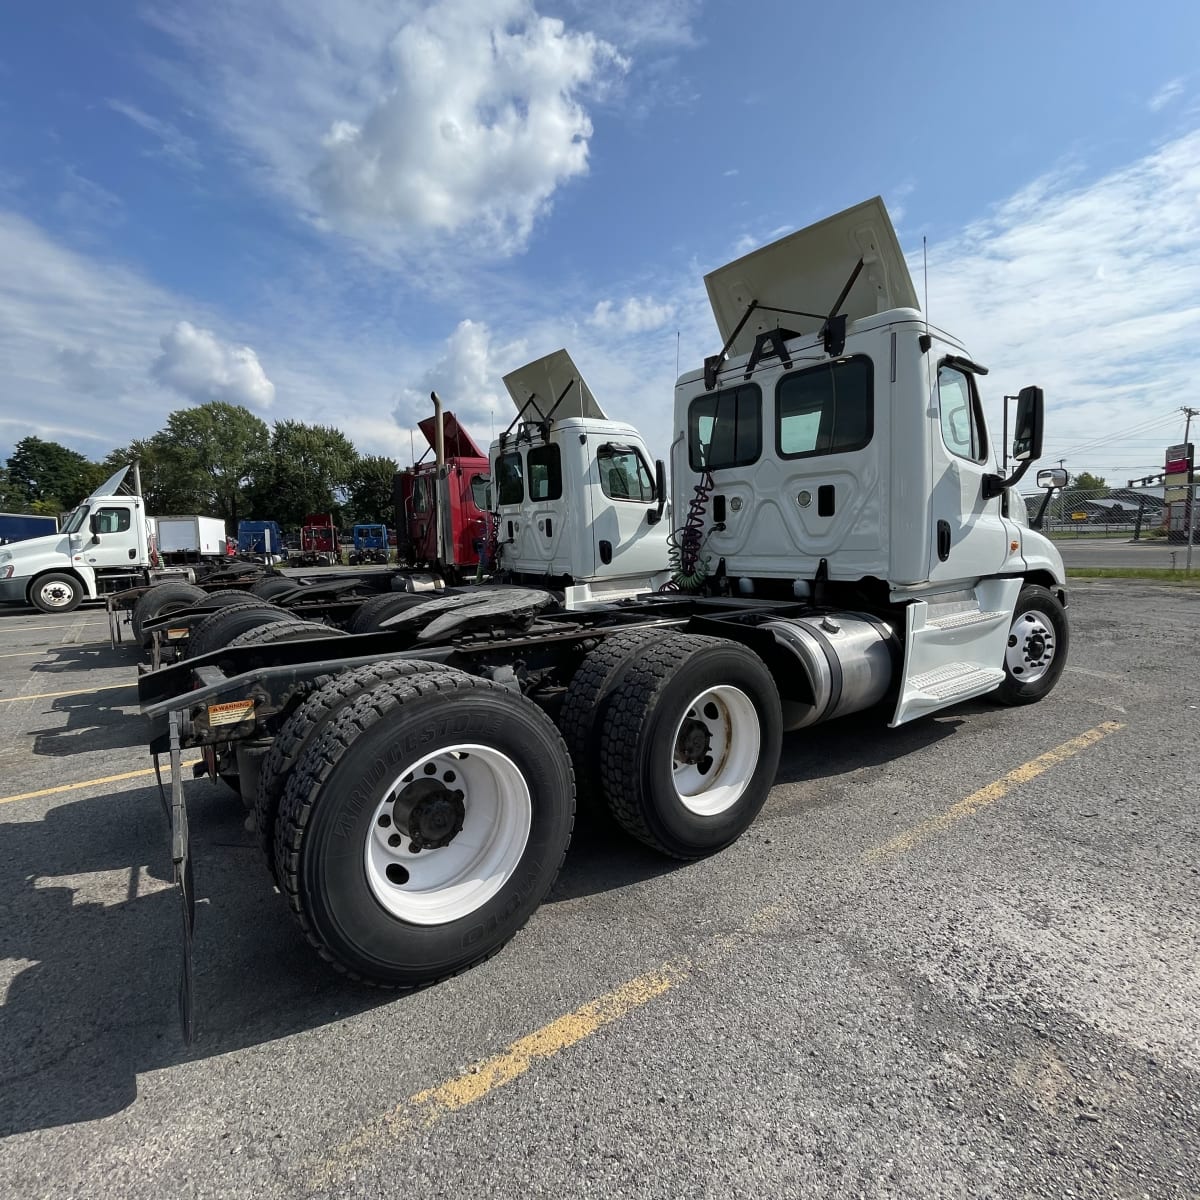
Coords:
956,679
960,619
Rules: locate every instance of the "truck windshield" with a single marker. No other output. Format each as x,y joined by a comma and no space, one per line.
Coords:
75,519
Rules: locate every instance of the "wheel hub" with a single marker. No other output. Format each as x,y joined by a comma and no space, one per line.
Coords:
1031,646
694,742
430,813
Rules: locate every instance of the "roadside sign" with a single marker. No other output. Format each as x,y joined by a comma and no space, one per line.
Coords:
1179,459
1079,516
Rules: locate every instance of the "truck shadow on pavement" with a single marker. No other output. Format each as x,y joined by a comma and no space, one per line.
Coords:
92,724
86,901
85,658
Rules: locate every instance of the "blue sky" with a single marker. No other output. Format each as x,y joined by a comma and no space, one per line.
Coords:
322,209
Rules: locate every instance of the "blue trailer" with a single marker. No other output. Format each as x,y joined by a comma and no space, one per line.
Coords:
370,544
18,527
260,537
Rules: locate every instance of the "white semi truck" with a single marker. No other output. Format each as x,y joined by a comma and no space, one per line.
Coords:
841,538
106,544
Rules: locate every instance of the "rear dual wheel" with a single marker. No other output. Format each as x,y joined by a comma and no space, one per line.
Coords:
423,825
689,744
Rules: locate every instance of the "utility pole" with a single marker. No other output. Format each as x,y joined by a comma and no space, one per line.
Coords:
1191,486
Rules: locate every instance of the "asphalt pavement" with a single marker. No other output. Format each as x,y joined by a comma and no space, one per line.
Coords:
1157,553
952,959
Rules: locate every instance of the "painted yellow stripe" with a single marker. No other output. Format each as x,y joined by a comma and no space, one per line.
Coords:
108,687
990,794
428,1107
30,653
64,626
88,783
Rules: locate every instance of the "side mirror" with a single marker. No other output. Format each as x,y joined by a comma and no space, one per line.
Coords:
1054,477
94,526
660,487
1027,434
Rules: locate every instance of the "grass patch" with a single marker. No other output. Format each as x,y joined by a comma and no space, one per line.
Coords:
1160,574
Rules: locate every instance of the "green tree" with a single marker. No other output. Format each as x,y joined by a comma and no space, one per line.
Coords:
205,461
307,470
49,472
1085,481
370,491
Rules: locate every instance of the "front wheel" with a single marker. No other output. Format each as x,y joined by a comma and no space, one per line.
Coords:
423,826
56,593
1036,653
689,744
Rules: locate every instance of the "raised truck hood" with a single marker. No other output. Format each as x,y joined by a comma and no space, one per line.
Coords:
805,273
536,387
457,441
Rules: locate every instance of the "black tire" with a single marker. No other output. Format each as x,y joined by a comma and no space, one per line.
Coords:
56,592
221,627
285,629
272,586
1040,643
370,613
587,699
160,600
223,596
327,820
332,692
638,743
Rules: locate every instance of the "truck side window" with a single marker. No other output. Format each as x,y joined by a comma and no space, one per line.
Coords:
481,492
113,520
545,472
960,415
509,480
825,410
624,475
420,493
725,428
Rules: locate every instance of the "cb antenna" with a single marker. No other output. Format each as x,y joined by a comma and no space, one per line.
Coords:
925,340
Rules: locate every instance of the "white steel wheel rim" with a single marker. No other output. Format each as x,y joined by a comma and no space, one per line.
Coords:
435,886
730,723
55,594
1032,644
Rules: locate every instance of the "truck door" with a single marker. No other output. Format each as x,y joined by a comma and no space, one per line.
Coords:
624,542
969,538
119,543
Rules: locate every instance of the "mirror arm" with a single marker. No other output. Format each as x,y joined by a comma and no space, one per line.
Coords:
1037,521
993,485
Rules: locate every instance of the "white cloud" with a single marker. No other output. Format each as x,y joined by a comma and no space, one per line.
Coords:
202,367
172,144
1171,90
481,124
467,377
1091,290
634,315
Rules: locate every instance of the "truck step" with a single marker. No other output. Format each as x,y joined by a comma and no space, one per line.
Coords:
956,681
960,620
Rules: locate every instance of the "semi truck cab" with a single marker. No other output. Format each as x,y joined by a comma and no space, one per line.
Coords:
579,499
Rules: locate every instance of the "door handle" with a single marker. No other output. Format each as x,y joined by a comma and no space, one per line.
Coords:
943,540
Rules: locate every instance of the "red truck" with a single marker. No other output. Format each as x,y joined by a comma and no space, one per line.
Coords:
318,542
466,498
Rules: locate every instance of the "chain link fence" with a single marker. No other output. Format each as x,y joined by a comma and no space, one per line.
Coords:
1122,513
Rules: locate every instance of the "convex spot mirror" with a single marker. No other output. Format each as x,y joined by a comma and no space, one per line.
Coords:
1027,436
1054,477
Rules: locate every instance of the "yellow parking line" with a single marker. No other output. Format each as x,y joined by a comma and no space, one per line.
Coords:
426,1108
991,793
83,783
108,687
64,625
27,653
